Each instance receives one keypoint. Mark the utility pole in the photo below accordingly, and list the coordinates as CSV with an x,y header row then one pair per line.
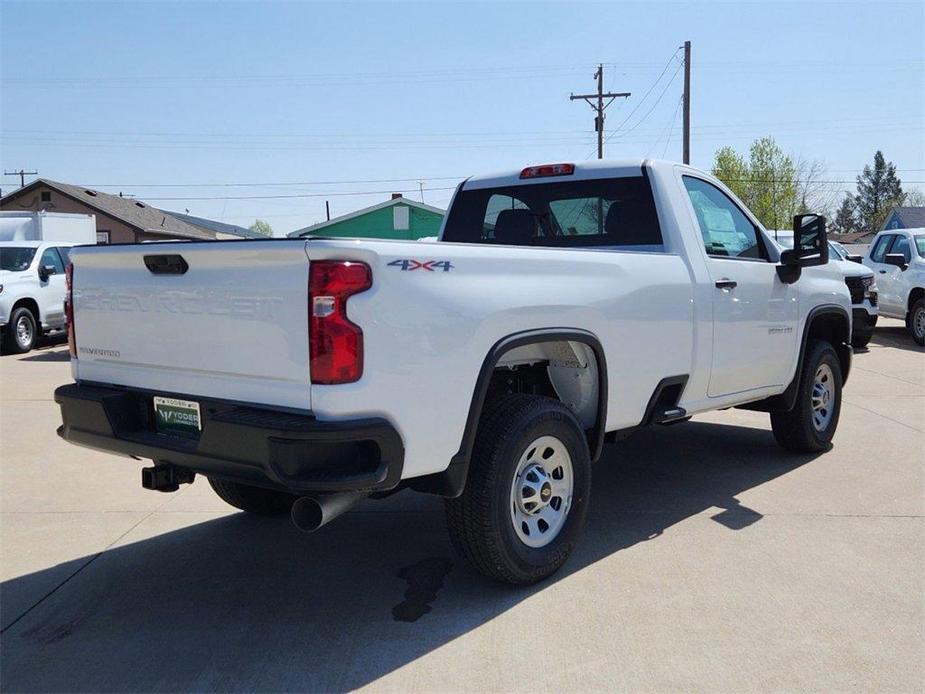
x,y
421,184
22,175
687,102
599,107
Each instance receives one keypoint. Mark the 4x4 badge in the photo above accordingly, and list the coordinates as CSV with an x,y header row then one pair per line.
x,y
409,264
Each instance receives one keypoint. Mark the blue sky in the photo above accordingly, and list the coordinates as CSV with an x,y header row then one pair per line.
x,y
229,100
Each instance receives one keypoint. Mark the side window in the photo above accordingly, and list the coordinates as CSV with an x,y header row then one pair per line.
x,y
880,249
51,257
902,245
726,231
65,252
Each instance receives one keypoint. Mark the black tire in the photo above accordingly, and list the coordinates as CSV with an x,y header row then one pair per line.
x,y
265,502
916,322
860,341
12,340
480,520
795,430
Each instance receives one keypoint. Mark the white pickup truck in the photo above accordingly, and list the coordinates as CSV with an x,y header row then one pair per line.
x,y
898,258
564,305
31,291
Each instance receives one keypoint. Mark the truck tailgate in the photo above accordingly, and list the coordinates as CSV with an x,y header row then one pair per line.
x,y
233,325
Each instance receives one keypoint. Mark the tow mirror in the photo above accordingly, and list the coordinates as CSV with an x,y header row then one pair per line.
x,y
810,247
854,258
810,243
46,271
897,259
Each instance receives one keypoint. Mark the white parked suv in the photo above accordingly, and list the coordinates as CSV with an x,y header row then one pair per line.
x,y
563,305
861,284
32,289
898,258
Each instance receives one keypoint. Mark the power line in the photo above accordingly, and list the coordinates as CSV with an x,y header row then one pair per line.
x,y
274,184
299,195
646,95
649,112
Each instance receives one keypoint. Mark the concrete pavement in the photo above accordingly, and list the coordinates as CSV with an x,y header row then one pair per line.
x,y
712,560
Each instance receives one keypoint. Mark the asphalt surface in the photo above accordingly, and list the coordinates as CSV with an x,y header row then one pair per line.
x,y
712,560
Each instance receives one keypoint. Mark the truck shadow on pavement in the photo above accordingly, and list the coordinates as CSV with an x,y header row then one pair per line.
x,y
898,338
245,603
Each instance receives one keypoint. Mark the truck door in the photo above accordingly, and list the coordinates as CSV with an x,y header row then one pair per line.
x,y
52,288
754,313
894,298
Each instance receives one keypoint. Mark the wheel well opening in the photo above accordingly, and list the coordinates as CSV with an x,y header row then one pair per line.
x,y
564,370
30,304
835,329
915,295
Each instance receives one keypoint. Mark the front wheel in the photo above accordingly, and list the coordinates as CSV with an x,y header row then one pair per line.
x,y
917,321
810,425
860,341
526,494
21,332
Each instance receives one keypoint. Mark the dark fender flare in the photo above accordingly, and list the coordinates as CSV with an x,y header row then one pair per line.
x,y
786,400
452,481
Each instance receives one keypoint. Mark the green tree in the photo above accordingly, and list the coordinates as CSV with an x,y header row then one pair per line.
x,y
879,189
766,182
261,227
732,169
845,220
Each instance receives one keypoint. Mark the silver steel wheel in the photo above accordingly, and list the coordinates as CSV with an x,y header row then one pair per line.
x,y
918,323
823,397
541,493
23,331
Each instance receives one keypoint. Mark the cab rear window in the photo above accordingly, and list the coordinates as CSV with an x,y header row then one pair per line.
x,y
614,213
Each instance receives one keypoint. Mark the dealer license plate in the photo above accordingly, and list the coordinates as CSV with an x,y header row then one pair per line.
x,y
173,416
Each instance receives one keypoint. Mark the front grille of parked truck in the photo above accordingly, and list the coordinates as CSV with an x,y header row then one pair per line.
x,y
862,288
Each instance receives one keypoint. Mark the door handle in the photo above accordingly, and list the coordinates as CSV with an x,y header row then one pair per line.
x,y
726,284
882,272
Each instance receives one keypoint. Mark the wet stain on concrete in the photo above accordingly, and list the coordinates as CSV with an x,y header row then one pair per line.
x,y
424,579
46,635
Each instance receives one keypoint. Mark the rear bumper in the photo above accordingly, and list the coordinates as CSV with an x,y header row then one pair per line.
x,y
238,442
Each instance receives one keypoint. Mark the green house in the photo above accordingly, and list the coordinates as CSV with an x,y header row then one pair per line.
x,y
398,218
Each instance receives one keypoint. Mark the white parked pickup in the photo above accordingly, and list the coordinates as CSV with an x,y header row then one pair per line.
x,y
563,305
898,258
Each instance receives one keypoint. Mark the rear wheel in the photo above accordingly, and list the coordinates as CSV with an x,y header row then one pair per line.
x,y
917,321
21,332
265,502
526,495
810,425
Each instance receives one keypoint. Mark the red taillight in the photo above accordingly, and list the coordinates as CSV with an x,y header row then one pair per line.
x,y
548,170
335,345
69,309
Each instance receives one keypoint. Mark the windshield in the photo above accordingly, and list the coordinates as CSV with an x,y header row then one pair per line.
x,y
920,244
837,250
16,259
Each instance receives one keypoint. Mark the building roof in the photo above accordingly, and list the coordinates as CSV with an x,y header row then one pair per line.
x,y
853,237
909,217
317,228
131,211
220,227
